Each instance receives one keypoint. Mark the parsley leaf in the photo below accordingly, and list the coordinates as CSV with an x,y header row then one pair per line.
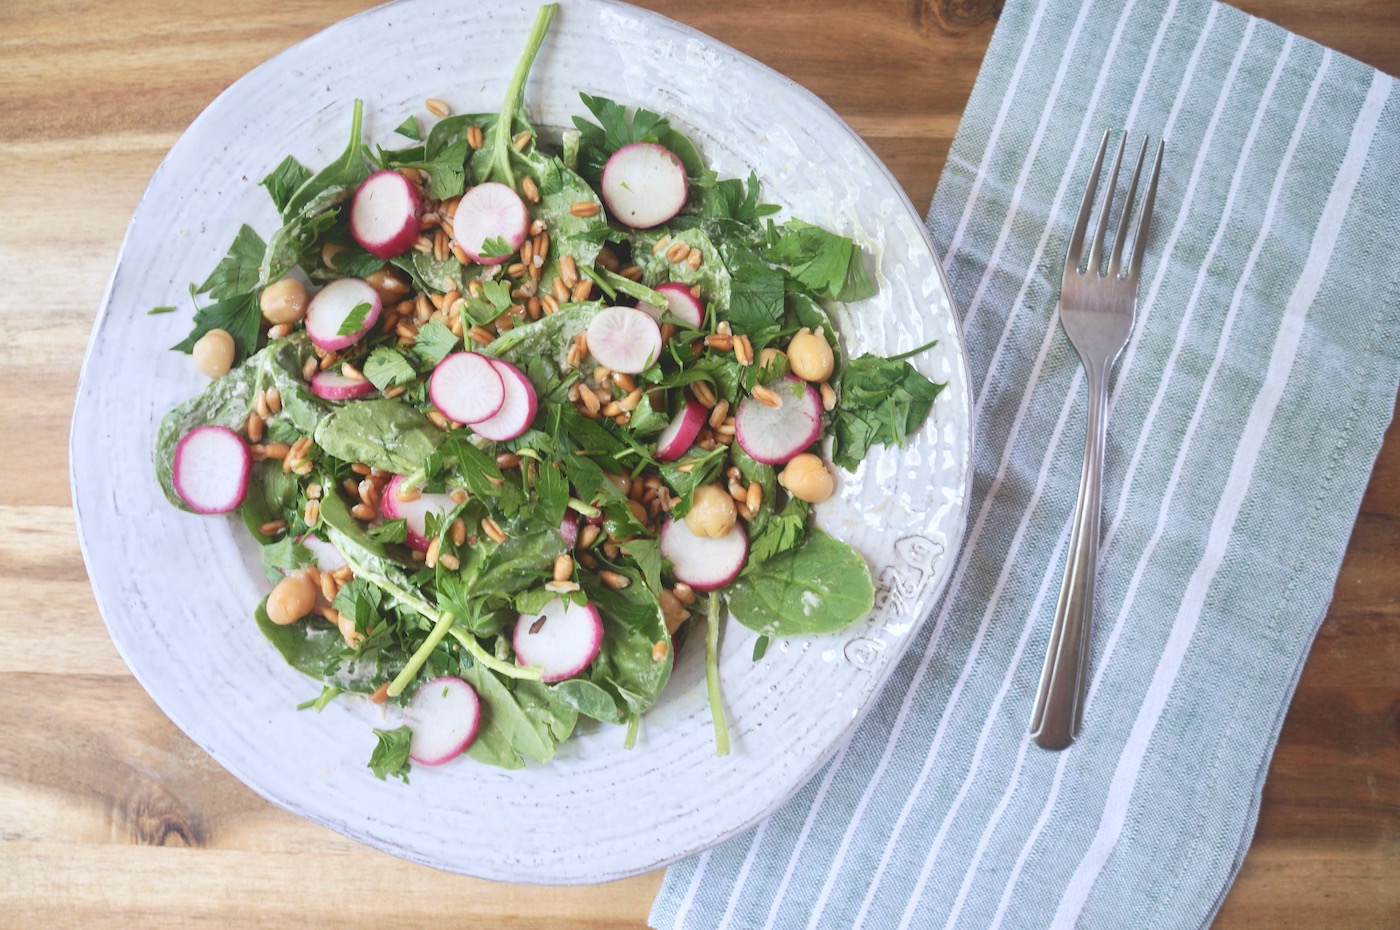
x,y
783,532
390,531
496,247
827,264
284,180
732,199
434,343
237,272
612,131
390,756
238,316
755,299
285,555
882,401
409,128
385,367
360,601
354,320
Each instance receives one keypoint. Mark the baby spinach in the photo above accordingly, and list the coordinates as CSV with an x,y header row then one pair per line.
x,y
347,171
383,433
520,720
822,587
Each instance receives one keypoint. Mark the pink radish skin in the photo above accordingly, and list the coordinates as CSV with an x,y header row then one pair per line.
x,y
568,528
414,513
644,185
518,410
211,469
773,435
330,307
328,557
624,339
680,435
384,214
444,715
703,563
680,303
332,385
489,211
564,644
467,388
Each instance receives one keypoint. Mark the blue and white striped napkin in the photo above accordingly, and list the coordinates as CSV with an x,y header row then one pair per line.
x,y
1246,414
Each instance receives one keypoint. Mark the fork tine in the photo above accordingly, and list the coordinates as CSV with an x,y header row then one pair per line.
x,y
1101,227
1115,261
1076,242
1140,240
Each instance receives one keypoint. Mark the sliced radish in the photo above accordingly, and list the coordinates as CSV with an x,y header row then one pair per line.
x,y
328,557
467,388
568,528
444,716
518,410
561,639
490,211
704,563
680,435
332,306
644,185
211,469
681,304
384,214
414,513
332,385
773,435
624,339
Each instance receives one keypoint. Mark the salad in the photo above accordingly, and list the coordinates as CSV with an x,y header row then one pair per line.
x,y
513,422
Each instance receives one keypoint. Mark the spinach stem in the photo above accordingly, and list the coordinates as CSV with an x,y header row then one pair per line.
x,y
712,677
515,98
633,724
912,352
587,510
479,653
420,655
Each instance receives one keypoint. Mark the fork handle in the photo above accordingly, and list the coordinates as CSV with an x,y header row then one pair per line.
x,y
1058,709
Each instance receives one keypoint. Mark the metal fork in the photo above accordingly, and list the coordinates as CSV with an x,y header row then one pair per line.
x,y
1097,310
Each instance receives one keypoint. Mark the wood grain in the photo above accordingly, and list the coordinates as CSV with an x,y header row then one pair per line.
x,y
110,817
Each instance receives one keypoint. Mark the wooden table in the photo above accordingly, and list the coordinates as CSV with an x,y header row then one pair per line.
x,y
110,817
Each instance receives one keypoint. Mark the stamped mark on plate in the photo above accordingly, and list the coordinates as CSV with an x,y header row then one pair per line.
x,y
901,585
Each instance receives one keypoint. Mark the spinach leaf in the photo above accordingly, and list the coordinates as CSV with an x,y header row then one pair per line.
x,y
429,274
237,272
309,646
589,699
347,171
579,236
498,149
272,493
827,264
382,433
409,129
712,275
284,180
882,401
519,720
823,587
390,756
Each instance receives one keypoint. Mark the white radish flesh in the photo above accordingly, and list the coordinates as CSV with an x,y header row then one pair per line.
x,y
332,385
332,306
624,339
328,557
773,435
562,638
384,214
680,303
644,185
414,513
444,715
680,435
704,563
490,211
211,469
467,388
518,410
568,528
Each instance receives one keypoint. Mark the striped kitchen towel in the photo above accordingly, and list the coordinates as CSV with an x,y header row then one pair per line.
x,y
1247,411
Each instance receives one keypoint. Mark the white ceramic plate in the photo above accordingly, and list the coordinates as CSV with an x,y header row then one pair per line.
x,y
178,590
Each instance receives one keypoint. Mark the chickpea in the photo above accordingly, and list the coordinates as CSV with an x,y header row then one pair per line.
x,y
809,356
711,512
283,301
352,637
390,286
765,358
328,253
673,610
807,478
621,482
213,353
293,598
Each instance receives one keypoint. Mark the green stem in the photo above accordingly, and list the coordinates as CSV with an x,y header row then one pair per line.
x,y
631,288
479,653
912,352
420,655
712,677
633,723
587,510
515,97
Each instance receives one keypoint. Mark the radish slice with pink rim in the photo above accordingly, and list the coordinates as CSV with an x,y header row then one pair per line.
x,y
518,410
680,303
490,211
467,388
562,638
773,435
327,557
704,563
384,214
414,513
444,715
332,385
211,469
644,185
680,434
624,339
333,305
